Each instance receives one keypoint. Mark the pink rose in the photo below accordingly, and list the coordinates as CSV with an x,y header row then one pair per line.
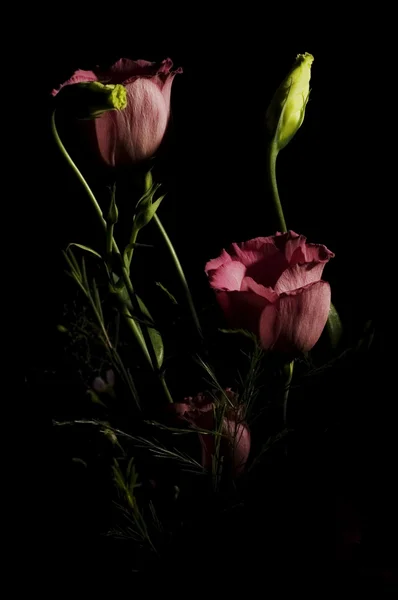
x,y
272,287
135,133
235,441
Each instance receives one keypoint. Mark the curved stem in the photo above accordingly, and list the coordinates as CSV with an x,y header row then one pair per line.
x,y
181,275
131,323
111,243
272,155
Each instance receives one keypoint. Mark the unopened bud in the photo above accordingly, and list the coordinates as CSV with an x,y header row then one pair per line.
x,y
286,112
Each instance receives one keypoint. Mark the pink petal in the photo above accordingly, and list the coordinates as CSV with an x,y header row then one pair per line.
x,y
228,277
264,261
290,243
249,285
302,317
110,377
135,133
78,76
239,436
215,263
127,71
242,310
252,251
269,326
299,276
99,385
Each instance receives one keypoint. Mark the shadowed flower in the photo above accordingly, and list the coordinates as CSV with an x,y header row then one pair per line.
x,y
135,133
106,386
200,412
272,287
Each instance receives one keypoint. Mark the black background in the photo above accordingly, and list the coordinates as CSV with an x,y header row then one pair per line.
x,y
333,188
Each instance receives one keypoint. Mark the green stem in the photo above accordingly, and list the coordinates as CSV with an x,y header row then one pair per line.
x,y
109,241
272,155
133,240
180,273
131,323
289,372
166,389
76,170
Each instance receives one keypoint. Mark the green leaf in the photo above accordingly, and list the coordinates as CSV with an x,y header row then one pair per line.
x,y
154,335
86,248
73,265
95,398
244,332
97,299
334,327
166,291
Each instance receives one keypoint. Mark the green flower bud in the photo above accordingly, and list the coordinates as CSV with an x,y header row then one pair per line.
x,y
113,213
90,100
286,112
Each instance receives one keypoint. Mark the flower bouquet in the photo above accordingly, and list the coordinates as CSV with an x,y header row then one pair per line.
x,y
191,417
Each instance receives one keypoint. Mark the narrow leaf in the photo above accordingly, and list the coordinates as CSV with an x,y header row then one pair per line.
x,y
86,248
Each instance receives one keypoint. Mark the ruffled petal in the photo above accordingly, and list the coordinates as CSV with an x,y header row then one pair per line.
x,y
299,276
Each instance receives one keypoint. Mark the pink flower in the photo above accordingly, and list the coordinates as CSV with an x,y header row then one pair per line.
x,y
135,133
272,287
235,441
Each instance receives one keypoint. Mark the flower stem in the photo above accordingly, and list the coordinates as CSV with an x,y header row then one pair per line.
x,y
76,170
129,320
272,155
289,372
165,388
181,274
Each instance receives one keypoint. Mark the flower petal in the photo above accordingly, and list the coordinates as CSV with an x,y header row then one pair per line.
x,y
228,277
249,285
263,259
269,326
110,377
99,385
240,441
215,263
299,276
242,310
135,133
78,76
252,251
302,315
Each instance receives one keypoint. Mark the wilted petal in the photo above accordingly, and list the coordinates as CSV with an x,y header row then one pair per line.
x,y
302,316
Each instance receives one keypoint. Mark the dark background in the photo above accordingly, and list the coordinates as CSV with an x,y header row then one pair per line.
x,y
331,179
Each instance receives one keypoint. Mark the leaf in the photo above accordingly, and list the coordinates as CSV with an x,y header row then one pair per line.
x,y
73,265
334,327
95,398
86,248
244,332
154,335
166,291
97,299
